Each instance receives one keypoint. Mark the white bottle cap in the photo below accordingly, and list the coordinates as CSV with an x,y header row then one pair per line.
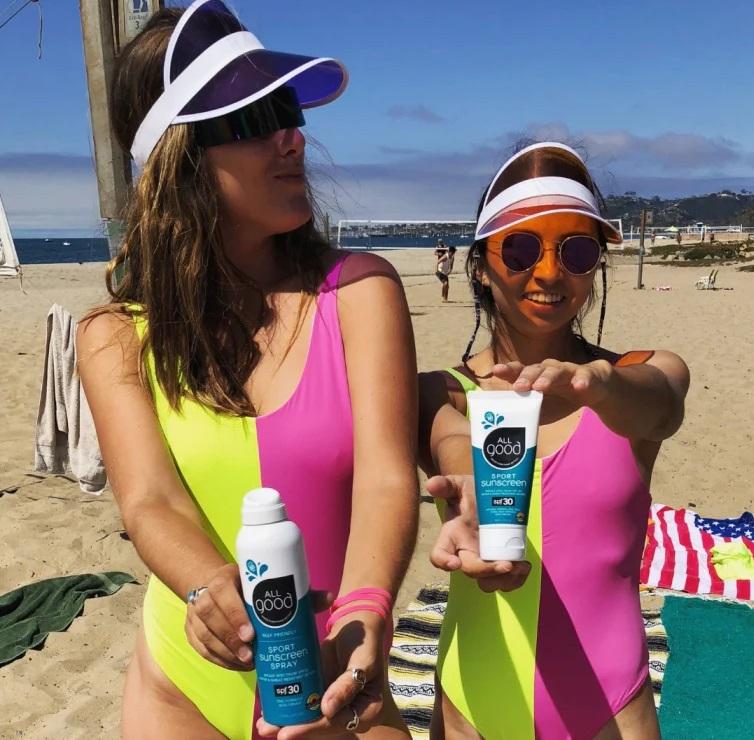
x,y
262,506
502,543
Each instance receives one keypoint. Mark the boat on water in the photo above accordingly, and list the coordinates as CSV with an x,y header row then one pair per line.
x,y
66,244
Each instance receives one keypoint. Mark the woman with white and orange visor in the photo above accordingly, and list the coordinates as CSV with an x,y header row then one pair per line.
x,y
551,648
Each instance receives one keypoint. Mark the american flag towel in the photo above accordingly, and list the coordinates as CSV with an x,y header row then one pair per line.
x,y
677,552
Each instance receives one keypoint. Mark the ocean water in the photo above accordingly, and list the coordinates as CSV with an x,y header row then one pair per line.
x,y
53,250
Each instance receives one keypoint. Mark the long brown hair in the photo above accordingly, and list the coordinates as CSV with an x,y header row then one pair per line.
x,y
172,264
537,163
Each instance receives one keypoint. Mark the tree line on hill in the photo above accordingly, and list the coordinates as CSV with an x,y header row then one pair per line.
x,y
721,209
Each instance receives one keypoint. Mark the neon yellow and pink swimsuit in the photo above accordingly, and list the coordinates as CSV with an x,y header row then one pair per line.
x,y
561,656
305,450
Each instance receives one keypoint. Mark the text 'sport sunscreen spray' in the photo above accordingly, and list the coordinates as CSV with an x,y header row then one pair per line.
x,y
275,578
504,428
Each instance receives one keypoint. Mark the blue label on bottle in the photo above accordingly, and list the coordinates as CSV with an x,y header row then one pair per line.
x,y
286,653
503,471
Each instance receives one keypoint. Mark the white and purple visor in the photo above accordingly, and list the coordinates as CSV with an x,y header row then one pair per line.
x,y
538,196
214,65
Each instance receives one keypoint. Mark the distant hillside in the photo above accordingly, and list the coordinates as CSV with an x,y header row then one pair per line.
x,y
717,209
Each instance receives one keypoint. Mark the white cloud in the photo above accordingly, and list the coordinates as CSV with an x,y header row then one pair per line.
x,y
669,153
448,184
56,192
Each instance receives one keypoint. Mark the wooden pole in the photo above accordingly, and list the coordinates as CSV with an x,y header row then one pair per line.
x,y
639,284
107,25
112,164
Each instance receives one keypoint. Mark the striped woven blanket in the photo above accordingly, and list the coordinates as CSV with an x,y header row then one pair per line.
x,y
414,655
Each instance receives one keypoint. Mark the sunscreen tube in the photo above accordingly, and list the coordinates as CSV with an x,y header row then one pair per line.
x,y
504,428
275,582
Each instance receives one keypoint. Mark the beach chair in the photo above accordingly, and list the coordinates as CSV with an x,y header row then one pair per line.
x,y
707,282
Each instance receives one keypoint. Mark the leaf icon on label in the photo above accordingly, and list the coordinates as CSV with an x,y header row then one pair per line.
x,y
251,570
489,417
262,569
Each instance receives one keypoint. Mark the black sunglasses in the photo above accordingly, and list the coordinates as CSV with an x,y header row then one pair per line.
x,y
278,110
578,254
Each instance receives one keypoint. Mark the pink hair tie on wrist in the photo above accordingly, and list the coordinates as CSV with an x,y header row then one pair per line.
x,y
378,595
345,611
376,600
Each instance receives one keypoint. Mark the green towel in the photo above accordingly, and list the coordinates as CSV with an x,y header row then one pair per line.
x,y
28,614
707,691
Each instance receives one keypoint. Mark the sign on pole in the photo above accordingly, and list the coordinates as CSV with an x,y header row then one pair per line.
x,y
134,15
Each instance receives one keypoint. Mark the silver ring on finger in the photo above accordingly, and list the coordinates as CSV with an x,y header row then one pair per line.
x,y
353,723
359,677
194,594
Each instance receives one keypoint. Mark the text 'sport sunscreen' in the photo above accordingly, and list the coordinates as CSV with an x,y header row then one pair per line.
x,y
275,581
504,428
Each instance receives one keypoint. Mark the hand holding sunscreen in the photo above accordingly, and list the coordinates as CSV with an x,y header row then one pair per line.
x,y
504,427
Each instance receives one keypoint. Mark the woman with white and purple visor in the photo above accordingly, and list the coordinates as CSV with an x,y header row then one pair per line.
x,y
240,351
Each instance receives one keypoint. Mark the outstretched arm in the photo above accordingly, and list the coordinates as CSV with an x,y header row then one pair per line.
x,y
158,514
444,434
643,402
381,364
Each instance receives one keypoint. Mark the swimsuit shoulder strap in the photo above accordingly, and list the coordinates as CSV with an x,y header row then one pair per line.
x,y
466,384
326,358
332,278
635,357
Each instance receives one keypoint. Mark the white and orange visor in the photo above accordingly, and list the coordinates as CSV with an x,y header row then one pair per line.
x,y
538,196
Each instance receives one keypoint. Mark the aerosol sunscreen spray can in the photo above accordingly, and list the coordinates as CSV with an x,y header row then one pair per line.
x,y
275,578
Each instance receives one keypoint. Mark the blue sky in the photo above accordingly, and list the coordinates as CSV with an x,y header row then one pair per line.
x,y
660,94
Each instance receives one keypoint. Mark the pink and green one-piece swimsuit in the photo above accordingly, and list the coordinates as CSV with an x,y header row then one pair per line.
x,y
304,449
559,657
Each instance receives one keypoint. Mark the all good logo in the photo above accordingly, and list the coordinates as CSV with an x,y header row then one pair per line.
x,y
505,448
275,601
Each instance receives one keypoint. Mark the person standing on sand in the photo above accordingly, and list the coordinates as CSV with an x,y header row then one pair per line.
x,y
554,647
445,260
238,351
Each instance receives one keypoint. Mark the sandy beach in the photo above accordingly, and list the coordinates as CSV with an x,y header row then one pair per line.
x,y
71,688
